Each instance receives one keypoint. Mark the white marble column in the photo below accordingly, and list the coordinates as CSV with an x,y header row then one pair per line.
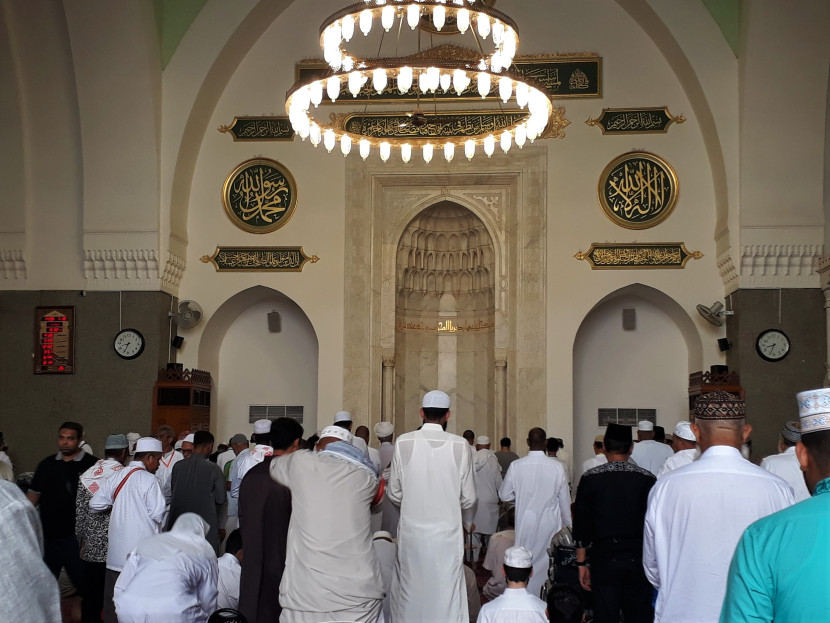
x,y
388,388
500,397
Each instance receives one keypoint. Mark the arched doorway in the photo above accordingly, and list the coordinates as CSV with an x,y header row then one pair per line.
x,y
644,367
252,365
445,316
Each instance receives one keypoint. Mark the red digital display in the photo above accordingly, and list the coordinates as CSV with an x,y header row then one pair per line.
x,y
54,337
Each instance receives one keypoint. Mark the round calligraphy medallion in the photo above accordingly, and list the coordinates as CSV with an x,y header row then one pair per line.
x,y
638,190
260,195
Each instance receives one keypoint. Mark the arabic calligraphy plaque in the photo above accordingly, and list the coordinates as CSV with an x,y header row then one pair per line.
x,y
259,259
604,256
638,190
260,195
259,129
561,76
635,120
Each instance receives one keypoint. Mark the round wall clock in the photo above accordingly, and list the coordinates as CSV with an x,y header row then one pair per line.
x,y
260,195
638,190
772,345
128,343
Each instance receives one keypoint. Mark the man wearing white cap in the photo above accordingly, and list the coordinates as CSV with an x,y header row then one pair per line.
x,y
384,432
330,570
431,479
785,464
684,444
697,513
648,453
542,494
343,419
252,456
390,514
488,480
187,446
779,571
138,508
516,604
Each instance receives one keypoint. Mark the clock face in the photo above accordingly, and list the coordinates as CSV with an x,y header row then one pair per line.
x,y
129,343
772,345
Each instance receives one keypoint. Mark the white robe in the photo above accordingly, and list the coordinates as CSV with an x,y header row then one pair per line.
x,y
228,584
137,512
786,466
516,605
651,455
695,516
488,480
679,459
165,472
594,461
431,479
386,552
543,507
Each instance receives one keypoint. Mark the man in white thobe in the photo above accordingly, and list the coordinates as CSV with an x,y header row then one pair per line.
x,y
684,444
386,552
543,503
785,463
384,432
595,461
230,572
697,513
249,457
648,453
431,479
517,604
488,480
167,436
138,511
331,573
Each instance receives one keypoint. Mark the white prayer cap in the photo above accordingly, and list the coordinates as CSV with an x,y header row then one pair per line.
x,y
189,438
483,440
132,438
518,557
337,431
148,444
382,534
645,426
178,444
684,431
262,427
436,399
384,429
814,410
342,416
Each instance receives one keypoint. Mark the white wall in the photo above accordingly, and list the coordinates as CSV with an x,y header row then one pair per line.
x,y
645,368
259,367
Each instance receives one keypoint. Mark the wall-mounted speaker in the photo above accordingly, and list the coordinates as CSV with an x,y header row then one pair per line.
x,y
629,319
177,342
274,322
724,344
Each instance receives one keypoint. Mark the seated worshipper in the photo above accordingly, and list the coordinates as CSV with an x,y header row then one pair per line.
x,y
331,573
229,571
92,529
29,593
473,596
386,552
684,444
170,577
779,571
264,513
565,604
499,543
516,605
785,464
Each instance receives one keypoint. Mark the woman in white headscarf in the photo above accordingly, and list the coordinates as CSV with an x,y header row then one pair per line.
x,y
169,577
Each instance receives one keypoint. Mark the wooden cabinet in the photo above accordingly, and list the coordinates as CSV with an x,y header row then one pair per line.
x,y
181,399
703,382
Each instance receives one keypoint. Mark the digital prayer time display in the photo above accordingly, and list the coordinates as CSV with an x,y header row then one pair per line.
x,y
54,340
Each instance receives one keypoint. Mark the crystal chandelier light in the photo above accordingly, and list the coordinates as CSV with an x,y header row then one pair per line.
x,y
420,75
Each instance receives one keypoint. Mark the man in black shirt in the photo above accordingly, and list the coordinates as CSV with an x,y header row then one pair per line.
x,y
53,491
609,514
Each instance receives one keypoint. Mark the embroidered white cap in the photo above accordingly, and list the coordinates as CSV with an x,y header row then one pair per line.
x,y
338,432
645,426
148,444
684,431
814,410
518,557
262,427
436,399
384,429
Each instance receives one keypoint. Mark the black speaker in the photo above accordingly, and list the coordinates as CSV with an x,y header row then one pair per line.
x,y
724,344
177,342
274,322
629,319
719,369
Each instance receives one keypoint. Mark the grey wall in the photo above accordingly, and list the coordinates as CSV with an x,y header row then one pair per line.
x,y
106,394
771,387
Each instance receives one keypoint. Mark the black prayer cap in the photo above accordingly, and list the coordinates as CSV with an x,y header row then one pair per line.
x,y
619,433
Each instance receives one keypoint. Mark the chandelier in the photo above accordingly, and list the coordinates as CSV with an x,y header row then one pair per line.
x,y
441,71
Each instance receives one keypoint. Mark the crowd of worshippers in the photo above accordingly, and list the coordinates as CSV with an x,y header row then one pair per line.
x,y
278,528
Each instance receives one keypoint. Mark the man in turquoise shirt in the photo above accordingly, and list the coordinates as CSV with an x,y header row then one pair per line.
x,y
780,569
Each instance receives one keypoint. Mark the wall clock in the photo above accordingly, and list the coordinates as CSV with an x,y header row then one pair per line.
x,y
128,343
772,345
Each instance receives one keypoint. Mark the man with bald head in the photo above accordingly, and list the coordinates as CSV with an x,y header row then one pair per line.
x,y
539,487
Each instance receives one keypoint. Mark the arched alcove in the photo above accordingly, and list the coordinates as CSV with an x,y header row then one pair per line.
x,y
646,367
253,366
445,316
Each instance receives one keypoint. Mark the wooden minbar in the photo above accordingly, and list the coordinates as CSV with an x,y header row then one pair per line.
x,y
181,399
